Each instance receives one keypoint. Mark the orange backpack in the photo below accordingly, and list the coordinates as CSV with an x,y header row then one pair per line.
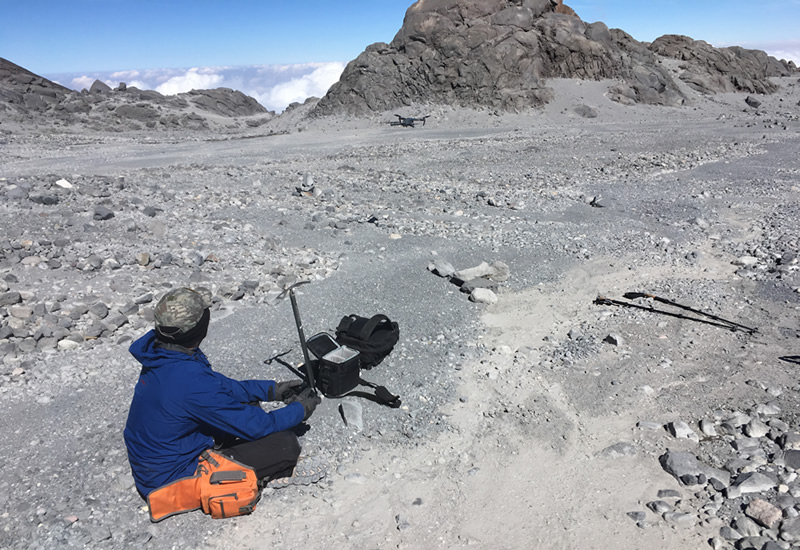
x,y
221,486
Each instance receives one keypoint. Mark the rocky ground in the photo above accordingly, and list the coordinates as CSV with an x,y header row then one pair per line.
x,y
532,416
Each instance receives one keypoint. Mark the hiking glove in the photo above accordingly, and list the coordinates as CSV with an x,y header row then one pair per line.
x,y
308,399
283,390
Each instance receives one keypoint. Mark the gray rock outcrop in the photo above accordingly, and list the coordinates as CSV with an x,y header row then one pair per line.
x,y
709,70
20,89
224,102
498,54
99,87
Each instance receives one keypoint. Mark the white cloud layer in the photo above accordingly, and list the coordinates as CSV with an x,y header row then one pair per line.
x,y
81,82
790,54
298,89
274,86
194,79
124,75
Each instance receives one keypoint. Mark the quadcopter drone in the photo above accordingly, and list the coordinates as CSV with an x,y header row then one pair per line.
x,y
408,122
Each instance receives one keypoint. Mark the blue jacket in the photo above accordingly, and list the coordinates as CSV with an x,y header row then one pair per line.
x,y
180,404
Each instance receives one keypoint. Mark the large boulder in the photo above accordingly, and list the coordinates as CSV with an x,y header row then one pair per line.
x,y
99,87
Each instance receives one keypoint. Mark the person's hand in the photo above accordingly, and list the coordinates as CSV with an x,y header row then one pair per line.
x,y
308,399
283,390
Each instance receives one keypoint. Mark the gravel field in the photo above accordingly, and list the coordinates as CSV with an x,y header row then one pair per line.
x,y
537,421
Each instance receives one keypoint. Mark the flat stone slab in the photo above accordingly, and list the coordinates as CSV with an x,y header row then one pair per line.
x,y
751,482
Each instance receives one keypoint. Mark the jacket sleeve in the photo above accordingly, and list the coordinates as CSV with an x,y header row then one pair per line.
x,y
245,390
220,402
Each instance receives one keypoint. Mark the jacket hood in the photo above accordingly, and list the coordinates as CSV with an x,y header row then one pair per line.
x,y
151,356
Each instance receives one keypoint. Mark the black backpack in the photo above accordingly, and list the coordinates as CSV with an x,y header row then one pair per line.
x,y
374,338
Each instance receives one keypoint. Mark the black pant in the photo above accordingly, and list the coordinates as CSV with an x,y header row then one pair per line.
x,y
272,457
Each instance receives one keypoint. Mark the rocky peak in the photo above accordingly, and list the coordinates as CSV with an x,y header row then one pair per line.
x,y
493,53
498,54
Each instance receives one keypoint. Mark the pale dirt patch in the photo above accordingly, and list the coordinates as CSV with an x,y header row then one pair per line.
x,y
518,466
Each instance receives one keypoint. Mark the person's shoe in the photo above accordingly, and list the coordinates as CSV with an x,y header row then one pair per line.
x,y
309,470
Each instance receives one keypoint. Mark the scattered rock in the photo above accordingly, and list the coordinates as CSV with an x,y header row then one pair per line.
x,y
10,298
660,506
585,111
479,271
483,296
756,428
752,102
764,513
618,450
101,213
613,339
681,430
352,414
637,516
687,468
750,482
441,268
681,519
791,459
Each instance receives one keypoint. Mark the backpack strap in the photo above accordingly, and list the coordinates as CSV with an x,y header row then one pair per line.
x,y
368,328
382,396
372,324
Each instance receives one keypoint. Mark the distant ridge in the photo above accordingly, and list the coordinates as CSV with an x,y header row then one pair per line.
x,y
27,98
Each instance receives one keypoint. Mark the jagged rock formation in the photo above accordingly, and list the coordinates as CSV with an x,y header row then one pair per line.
x,y
498,54
224,102
708,69
25,96
25,90
563,8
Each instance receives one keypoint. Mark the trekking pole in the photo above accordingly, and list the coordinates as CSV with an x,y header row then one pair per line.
x,y
634,295
309,370
603,301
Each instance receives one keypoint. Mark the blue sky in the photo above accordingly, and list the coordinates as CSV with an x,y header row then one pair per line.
x,y
285,50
